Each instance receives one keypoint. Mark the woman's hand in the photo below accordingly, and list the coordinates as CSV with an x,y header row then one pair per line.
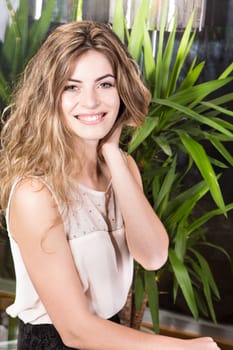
x,y
204,343
110,141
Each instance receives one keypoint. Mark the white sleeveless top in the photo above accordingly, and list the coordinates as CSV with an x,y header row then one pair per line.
x,y
95,231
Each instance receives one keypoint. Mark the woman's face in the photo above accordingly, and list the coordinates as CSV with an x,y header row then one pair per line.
x,y
90,101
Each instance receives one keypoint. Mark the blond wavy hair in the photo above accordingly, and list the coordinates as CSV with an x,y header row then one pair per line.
x,y
35,140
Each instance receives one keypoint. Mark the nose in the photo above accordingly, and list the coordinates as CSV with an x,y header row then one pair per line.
x,y
89,98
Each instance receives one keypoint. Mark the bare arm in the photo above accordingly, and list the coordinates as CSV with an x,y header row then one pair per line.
x,y
36,226
146,236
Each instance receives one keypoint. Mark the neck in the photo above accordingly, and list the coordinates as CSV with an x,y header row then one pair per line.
x,y
94,172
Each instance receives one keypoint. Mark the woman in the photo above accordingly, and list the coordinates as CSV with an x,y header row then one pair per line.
x,y
75,209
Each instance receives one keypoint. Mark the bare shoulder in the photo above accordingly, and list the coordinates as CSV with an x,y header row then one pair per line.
x,y
32,206
31,194
29,185
134,168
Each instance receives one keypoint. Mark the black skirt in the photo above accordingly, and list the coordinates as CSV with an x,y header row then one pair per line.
x,y
43,336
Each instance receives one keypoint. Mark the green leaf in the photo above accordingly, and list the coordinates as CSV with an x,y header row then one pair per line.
x,y
187,199
221,250
137,32
11,47
77,10
163,143
201,304
181,241
217,108
118,25
188,112
207,109
40,28
221,149
153,298
166,185
199,276
184,282
149,62
142,133
222,99
159,55
22,21
4,88
207,281
183,50
196,224
226,72
201,159
192,75
181,213
208,275
167,62
226,125
139,287
196,94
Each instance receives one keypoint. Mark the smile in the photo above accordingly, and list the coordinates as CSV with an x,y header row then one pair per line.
x,y
90,118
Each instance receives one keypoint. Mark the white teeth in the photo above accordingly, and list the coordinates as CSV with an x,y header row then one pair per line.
x,y
90,118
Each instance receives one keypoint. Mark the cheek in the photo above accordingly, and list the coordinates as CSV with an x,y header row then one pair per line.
x,y
65,104
64,114
116,102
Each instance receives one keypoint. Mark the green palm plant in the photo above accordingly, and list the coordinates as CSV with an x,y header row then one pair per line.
x,y
22,39
20,42
182,116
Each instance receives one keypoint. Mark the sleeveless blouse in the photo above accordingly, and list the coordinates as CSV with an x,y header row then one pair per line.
x,y
95,232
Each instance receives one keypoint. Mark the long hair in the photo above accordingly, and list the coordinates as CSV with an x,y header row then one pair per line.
x,y
35,140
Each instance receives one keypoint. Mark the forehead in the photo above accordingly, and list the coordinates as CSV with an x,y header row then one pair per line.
x,y
91,63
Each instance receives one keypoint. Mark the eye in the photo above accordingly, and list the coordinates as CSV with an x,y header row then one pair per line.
x,y
71,88
106,85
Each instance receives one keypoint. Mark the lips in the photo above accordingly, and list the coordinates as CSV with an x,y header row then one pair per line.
x,y
90,118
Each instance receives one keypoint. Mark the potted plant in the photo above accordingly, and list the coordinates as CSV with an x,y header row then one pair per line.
x,y
183,115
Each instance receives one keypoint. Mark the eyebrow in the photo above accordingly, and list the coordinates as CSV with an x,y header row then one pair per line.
x,y
96,80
